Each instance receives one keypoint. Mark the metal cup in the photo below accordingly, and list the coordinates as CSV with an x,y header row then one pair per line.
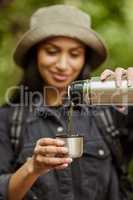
x,y
74,143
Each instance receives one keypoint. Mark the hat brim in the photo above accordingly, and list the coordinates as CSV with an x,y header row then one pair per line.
x,y
37,34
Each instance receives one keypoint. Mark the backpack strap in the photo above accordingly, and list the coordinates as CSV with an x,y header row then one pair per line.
x,y
16,127
110,135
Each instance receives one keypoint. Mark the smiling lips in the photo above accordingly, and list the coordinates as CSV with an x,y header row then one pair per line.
x,y
60,77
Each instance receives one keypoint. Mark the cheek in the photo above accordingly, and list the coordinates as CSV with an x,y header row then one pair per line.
x,y
77,68
78,65
45,61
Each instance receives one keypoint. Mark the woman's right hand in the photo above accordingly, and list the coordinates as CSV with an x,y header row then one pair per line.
x,y
49,154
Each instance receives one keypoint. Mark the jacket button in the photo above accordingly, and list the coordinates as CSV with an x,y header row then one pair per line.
x,y
60,129
101,152
34,197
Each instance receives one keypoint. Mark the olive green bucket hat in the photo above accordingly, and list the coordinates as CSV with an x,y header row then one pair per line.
x,y
60,20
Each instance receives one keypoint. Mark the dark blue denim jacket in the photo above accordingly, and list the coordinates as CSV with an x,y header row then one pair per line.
x,y
91,177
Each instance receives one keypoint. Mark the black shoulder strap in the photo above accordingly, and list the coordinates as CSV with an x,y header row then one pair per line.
x,y
110,135
16,126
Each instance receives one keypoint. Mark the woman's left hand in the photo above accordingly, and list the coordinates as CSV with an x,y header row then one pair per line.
x,y
118,75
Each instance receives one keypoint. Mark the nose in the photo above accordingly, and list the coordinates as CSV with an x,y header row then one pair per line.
x,y
62,63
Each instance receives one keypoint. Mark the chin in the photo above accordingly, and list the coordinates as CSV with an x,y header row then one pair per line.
x,y
61,84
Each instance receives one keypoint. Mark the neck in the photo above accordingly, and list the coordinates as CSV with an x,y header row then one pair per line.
x,y
54,96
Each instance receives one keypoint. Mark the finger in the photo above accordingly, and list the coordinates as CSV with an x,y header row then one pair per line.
x,y
50,141
43,150
130,76
106,74
53,161
63,166
119,72
121,108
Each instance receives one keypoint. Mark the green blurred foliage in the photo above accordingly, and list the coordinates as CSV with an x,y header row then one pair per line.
x,y
111,19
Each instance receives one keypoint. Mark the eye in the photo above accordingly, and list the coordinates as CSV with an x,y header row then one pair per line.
x,y
75,54
51,51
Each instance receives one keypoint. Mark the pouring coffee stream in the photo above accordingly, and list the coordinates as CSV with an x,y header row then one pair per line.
x,y
70,131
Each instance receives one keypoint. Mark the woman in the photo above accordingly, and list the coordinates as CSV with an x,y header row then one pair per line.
x,y
60,47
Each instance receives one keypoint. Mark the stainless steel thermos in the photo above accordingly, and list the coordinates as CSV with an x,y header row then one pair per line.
x,y
96,92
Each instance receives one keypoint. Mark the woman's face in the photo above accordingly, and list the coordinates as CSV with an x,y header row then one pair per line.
x,y
60,61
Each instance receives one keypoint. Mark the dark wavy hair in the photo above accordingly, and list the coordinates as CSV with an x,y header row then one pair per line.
x,y
32,79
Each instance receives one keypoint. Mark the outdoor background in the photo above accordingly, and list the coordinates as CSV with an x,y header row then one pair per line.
x,y
112,19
